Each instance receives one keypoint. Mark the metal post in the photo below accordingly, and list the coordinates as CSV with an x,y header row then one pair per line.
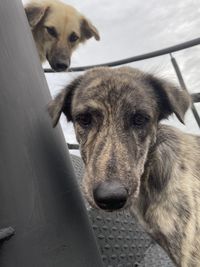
x,y
183,86
195,97
39,195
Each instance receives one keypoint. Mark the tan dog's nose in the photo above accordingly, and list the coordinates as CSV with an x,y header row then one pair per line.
x,y
110,195
61,65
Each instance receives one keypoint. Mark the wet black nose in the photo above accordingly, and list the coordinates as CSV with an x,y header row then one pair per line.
x,y
110,195
60,66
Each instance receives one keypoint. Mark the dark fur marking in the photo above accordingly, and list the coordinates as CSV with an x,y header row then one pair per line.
x,y
111,168
183,167
67,109
162,98
169,99
194,257
175,242
96,155
183,208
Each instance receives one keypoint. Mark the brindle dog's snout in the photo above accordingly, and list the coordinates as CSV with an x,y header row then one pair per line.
x,y
110,195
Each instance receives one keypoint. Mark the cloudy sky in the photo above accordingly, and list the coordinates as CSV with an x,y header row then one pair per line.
x,y
133,27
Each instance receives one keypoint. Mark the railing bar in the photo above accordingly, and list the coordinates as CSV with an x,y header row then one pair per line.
x,y
195,97
153,54
73,146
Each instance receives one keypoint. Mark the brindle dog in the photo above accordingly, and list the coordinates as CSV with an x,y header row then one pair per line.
x,y
133,161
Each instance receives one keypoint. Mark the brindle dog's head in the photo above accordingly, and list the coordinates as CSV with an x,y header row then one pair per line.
x,y
58,29
116,113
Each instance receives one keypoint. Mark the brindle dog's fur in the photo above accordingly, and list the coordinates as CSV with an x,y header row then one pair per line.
x,y
158,164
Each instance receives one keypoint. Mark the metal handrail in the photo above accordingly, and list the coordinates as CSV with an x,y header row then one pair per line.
x,y
195,97
153,54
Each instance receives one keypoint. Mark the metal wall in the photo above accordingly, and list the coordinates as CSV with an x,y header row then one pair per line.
x,y
39,196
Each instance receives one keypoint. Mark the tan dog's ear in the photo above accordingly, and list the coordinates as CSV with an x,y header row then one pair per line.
x,y
88,30
35,12
62,102
170,99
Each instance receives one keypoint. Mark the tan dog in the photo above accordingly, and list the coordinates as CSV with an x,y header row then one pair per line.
x,y
131,160
58,29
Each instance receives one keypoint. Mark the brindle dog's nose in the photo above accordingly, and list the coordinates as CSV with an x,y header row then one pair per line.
x,y
111,195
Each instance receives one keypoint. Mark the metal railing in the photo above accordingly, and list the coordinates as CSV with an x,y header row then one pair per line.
x,y
165,51
153,54
195,97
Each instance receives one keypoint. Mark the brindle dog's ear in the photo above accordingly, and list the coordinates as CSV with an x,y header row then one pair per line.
x,y
62,102
35,12
170,98
88,30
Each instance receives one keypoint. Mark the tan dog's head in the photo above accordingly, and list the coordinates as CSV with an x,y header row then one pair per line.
x,y
58,29
116,113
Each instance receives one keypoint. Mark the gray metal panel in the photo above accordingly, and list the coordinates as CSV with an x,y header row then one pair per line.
x,y
39,195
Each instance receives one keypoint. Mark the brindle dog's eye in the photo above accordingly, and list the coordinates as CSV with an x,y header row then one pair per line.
x,y
84,120
52,31
73,37
139,120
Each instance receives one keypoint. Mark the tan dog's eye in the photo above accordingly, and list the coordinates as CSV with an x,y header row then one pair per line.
x,y
73,37
52,31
